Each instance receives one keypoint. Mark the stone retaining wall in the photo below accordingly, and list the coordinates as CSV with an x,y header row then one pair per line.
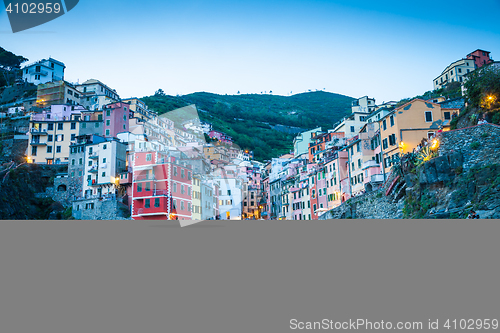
x,y
479,145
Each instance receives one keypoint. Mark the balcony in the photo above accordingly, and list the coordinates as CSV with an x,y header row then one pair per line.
x,y
39,132
37,143
34,71
94,156
140,178
370,164
377,179
93,169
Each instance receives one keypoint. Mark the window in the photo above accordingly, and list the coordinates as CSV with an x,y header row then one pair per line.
x,y
157,202
148,157
60,137
124,127
146,203
80,161
73,136
60,126
49,149
104,147
175,187
84,125
139,187
447,116
50,127
58,149
392,139
108,122
175,171
359,163
107,132
392,120
103,174
460,70
90,163
108,113
352,129
96,125
72,161
384,124
182,205
50,138
182,173
384,144
428,116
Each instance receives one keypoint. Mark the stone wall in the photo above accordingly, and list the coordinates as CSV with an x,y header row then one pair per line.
x,y
479,145
101,210
372,205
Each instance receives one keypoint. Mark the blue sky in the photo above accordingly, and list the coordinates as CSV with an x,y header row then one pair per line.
x,y
385,49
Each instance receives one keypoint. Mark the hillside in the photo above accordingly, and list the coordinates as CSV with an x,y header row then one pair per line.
x,y
250,118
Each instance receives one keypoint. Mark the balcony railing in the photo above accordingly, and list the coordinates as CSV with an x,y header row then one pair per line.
x,y
37,143
93,169
34,71
40,132
144,177
94,156
377,179
370,164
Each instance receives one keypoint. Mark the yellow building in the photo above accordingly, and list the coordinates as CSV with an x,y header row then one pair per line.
x,y
52,132
402,130
196,198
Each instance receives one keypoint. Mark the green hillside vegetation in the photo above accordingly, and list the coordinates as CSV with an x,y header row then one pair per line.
x,y
248,118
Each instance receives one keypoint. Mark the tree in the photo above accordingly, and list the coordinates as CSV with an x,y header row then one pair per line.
x,y
159,92
9,65
483,88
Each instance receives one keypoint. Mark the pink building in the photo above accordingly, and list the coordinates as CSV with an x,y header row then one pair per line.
x,y
480,57
116,118
221,137
59,113
161,187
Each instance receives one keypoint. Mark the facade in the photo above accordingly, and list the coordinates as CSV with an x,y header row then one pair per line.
x,y
220,136
104,161
455,72
363,105
480,58
96,94
162,187
57,92
78,160
403,130
43,71
116,118
301,142
52,131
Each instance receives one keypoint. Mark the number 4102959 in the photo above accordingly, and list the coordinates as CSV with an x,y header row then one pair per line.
x,y
33,8
471,324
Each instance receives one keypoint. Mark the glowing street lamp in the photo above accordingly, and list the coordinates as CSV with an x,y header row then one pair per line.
x,y
435,144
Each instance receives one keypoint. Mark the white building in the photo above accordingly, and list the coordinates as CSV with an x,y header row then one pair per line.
x,y
103,163
301,142
454,73
96,94
363,105
43,71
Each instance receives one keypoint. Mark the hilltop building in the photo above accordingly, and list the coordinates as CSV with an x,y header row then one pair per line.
x,y
43,71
